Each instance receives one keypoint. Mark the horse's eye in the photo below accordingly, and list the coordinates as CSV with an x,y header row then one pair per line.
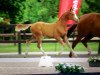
x,y
71,14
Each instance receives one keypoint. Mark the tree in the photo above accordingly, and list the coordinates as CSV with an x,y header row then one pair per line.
x,y
42,10
20,11
89,6
13,9
29,10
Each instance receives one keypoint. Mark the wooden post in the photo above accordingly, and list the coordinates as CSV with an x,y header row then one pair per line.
x,y
19,44
99,48
19,48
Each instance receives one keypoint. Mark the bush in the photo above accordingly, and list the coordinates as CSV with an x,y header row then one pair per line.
x,y
69,68
94,59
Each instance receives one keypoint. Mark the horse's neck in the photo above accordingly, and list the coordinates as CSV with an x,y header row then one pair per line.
x,y
61,25
63,19
62,22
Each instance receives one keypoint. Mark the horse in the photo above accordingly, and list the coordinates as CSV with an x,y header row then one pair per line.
x,y
56,30
87,27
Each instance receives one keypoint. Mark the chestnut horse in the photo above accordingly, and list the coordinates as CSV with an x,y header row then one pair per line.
x,y
87,27
55,30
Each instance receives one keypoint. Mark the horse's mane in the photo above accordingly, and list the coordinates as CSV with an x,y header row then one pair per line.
x,y
63,15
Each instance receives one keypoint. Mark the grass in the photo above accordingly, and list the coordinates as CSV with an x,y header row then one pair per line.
x,y
48,47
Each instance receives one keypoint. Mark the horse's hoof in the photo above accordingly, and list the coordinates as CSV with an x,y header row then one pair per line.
x,y
89,53
45,54
72,54
75,55
25,57
59,53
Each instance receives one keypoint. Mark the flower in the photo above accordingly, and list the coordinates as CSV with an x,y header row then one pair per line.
x,y
69,68
94,59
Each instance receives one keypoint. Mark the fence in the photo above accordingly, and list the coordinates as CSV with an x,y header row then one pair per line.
x,y
17,40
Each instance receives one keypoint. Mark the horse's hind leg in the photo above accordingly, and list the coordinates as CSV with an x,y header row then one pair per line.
x,y
71,29
39,44
27,45
72,54
85,40
77,40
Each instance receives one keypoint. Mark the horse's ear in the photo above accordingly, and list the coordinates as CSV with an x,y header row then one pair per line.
x,y
71,9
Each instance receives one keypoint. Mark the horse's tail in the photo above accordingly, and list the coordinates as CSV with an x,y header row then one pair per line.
x,y
21,27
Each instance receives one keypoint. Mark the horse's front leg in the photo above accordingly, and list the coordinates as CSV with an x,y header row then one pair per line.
x,y
59,39
85,40
72,54
28,41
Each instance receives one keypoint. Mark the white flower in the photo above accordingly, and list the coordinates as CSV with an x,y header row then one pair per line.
x,y
64,66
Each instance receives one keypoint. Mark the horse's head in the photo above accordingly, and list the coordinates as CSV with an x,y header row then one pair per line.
x,y
69,15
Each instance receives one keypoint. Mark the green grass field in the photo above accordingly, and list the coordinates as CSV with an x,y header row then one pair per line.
x,y
48,47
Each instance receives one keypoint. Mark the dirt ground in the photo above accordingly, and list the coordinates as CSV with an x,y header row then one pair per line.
x,y
12,66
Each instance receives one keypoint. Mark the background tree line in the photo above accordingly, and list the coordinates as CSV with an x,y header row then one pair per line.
x,y
25,11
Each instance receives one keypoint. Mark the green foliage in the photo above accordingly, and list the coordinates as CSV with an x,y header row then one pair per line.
x,y
69,68
1,19
89,6
94,5
20,11
4,21
48,47
94,59
12,9
42,10
29,10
